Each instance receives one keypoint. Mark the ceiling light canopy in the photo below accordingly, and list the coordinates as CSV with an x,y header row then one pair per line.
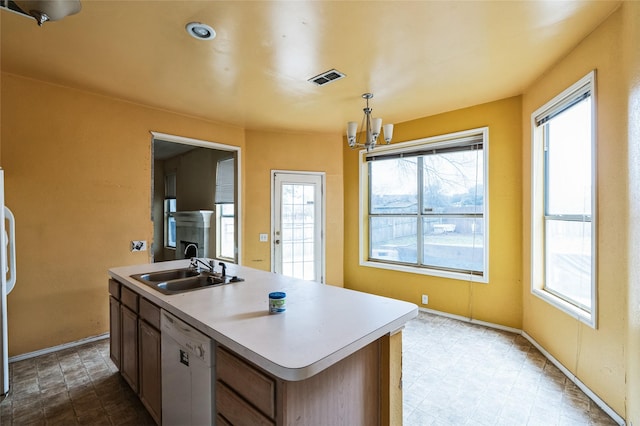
x,y
200,31
370,127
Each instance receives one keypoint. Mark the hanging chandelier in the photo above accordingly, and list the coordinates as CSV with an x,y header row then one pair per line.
x,y
49,10
370,127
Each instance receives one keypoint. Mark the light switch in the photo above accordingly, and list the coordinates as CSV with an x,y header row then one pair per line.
x,y
264,238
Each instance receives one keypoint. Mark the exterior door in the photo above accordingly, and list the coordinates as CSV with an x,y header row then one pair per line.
x,y
297,225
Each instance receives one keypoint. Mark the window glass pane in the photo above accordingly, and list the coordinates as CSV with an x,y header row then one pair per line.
x,y
394,239
227,239
170,222
394,186
171,232
454,243
227,209
452,182
568,260
569,161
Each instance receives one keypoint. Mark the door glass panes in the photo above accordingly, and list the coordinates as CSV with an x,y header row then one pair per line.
x,y
298,231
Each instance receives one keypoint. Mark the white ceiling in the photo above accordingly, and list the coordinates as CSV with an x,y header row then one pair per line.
x,y
417,57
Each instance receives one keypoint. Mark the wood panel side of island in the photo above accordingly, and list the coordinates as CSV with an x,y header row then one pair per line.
x,y
391,379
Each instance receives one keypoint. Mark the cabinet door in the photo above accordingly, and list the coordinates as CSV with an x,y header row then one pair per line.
x,y
150,373
114,331
129,349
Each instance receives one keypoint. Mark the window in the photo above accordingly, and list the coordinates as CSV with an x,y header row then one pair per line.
x,y
563,256
169,210
426,206
225,209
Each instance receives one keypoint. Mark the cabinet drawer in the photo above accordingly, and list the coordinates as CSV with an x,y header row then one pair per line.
x,y
129,299
251,384
236,410
114,289
150,313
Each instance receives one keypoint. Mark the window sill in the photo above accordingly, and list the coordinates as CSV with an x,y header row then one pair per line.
x,y
583,316
425,271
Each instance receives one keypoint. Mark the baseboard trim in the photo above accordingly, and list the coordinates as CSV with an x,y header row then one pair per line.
x,y
58,347
595,398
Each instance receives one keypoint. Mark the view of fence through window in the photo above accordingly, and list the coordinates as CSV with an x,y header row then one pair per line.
x,y
428,210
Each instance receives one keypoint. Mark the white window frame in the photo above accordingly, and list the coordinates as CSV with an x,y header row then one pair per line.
x,y
538,205
435,142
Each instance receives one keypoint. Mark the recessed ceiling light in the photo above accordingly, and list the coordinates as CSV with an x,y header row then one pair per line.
x,y
200,31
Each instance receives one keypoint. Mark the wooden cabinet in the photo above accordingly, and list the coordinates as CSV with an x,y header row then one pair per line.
x,y
149,355
244,395
348,392
135,344
129,337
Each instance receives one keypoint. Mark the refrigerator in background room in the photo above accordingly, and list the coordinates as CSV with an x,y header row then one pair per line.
x,y
7,280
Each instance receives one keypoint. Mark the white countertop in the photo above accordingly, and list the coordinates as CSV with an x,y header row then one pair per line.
x,y
322,323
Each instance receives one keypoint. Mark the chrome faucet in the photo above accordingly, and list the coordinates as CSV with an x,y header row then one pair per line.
x,y
186,249
195,263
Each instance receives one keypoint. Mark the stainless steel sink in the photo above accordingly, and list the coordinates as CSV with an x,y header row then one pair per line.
x,y
180,280
174,274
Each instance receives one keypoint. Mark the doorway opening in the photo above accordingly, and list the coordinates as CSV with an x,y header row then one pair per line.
x,y
195,203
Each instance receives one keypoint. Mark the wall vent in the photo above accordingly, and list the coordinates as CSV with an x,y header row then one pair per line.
x,y
327,77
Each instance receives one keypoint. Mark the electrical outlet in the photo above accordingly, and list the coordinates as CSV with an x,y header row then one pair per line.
x,y
264,238
138,245
425,299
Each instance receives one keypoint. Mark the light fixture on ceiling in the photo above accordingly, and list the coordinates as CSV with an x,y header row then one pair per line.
x,y
370,127
49,10
200,31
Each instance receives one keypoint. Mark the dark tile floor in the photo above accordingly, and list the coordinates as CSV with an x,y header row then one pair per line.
x,y
77,386
454,373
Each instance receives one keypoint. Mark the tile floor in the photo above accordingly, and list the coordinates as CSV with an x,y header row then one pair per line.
x,y
454,373
77,386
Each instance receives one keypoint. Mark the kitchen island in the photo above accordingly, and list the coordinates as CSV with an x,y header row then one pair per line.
x,y
334,356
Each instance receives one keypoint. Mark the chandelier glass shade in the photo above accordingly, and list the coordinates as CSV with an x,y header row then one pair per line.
x,y
370,127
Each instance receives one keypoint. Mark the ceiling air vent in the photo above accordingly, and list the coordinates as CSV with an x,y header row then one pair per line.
x,y
327,77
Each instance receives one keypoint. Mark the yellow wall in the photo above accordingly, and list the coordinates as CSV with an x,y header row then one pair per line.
x,y
78,179
631,35
268,151
596,356
499,301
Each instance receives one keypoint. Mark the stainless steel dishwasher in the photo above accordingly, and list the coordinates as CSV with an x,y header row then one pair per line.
x,y
187,381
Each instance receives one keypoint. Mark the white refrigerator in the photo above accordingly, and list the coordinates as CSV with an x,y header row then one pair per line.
x,y
7,279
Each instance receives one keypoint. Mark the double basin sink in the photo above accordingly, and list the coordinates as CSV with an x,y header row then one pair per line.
x,y
185,279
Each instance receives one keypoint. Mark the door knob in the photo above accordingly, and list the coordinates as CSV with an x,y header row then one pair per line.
x,y
277,241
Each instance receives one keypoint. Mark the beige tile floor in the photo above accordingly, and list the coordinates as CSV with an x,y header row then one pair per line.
x,y
454,373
